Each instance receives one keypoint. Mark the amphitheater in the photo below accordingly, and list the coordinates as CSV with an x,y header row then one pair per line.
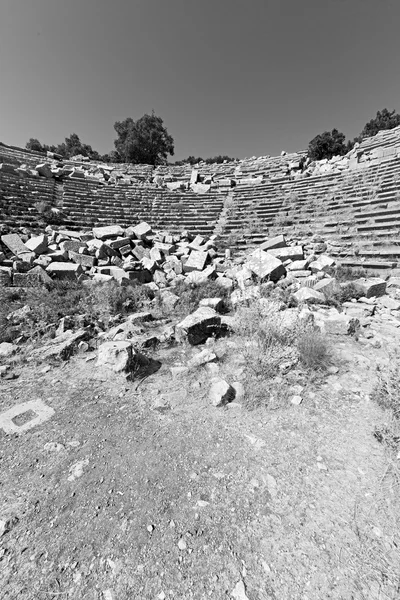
x,y
352,201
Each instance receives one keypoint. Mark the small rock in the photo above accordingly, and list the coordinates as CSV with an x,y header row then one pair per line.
x,y
76,471
53,447
150,528
221,393
182,544
239,591
296,400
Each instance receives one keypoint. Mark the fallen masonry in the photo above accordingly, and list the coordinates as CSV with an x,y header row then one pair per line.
x,y
287,274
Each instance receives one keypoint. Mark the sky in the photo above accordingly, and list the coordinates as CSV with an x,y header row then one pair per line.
x,y
237,77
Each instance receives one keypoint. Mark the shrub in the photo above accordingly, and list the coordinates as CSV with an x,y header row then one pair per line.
x,y
387,389
105,300
349,273
313,348
190,295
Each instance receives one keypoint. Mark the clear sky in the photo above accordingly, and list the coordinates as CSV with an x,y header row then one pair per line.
x,y
236,77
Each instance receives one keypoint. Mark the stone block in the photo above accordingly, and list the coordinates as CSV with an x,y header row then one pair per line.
x,y
265,265
309,295
221,393
63,270
37,244
278,241
110,231
141,231
196,262
74,245
81,259
15,244
288,253
198,326
374,286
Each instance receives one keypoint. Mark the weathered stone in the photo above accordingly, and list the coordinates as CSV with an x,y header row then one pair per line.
x,y
74,245
390,303
141,231
374,286
196,262
62,346
246,295
297,265
265,266
37,244
324,263
15,244
102,233
289,253
61,270
118,356
198,326
81,259
44,170
202,358
278,241
169,299
221,393
309,295
7,349
327,286
215,303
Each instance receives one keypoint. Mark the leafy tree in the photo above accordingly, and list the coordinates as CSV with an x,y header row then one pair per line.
x,y
145,141
74,147
384,119
327,144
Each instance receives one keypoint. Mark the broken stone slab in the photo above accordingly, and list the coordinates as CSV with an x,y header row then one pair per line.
x,y
288,253
323,263
221,393
85,260
373,286
265,265
62,346
109,231
37,244
327,286
196,262
15,244
41,413
64,270
336,323
298,265
74,245
278,241
198,326
309,295
390,303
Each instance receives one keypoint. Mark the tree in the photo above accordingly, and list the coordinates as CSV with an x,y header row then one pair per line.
x,y
384,119
145,141
74,147
327,144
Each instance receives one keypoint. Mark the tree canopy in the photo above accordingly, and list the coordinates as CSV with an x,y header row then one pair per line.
x,y
327,144
384,119
145,141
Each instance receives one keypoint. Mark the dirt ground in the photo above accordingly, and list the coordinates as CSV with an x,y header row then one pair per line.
x,y
143,490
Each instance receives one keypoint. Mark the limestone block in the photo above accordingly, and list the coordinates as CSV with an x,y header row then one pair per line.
x,y
110,231
37,244
278,241
196,262
117,356
81,259
61,270
7,349
374,286
44,170
265,265
15,244
141,231
198,326
288,253
309,296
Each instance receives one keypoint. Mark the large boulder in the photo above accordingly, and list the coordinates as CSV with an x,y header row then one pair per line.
x,y
117,356
265,265
198,326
